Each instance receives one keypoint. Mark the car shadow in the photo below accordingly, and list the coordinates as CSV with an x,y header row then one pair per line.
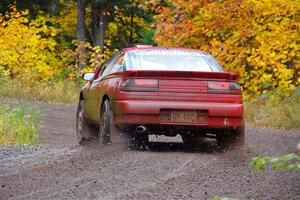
x,y
166,145
202,147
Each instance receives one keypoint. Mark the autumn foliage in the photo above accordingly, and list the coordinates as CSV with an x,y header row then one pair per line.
x,y
37,47
260,39
28,50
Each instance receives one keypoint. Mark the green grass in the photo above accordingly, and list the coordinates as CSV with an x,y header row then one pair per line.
x,y
274,111
18,125
56,92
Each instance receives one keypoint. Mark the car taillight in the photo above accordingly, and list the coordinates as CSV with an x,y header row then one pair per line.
x,y
223,87
140,85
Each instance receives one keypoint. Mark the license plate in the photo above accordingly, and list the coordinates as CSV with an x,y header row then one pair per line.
x,y
183,116
201,119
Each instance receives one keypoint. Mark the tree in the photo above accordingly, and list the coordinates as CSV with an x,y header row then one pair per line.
x,y
257,38
81,33
54,8
101,15
34,6
28,49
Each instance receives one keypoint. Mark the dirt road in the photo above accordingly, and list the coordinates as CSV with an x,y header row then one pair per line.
x,y
61,169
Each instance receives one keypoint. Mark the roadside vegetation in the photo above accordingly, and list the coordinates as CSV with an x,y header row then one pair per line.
x,y
55,92
288,162
18,125
274,110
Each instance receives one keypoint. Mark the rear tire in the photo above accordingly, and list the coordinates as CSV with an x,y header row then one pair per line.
x,y
83,129
233,139
108,132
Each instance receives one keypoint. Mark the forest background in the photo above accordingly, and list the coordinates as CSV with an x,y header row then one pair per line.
x,y
47,45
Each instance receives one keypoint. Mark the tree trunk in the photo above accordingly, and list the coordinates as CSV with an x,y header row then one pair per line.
x,y
81,26
100,19
81,35
54,8
131,26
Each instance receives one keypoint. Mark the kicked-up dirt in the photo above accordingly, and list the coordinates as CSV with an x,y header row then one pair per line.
x,y
62,169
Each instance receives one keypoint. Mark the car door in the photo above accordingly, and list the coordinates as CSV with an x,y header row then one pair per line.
x,y
95,92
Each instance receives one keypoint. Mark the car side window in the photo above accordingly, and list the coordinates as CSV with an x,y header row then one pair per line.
x,y
119,65
105,70
107,66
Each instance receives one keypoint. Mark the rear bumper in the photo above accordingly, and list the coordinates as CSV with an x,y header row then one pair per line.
x,y
141,112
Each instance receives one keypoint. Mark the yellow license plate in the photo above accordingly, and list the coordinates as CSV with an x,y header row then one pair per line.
x,y
183,116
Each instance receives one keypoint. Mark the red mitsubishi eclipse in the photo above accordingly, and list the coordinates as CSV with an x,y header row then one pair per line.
x,y
163,91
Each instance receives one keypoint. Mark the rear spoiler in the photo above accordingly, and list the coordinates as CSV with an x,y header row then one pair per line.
x,y
183,74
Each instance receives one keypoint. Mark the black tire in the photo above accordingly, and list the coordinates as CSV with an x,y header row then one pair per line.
x,y
108,132
83,129
233,139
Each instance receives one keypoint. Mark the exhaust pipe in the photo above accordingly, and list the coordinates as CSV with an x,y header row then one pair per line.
x,y
141,129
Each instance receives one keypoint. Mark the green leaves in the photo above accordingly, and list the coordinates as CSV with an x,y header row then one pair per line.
x,y
289,162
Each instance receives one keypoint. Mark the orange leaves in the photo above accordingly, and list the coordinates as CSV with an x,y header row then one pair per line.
x,y
258,38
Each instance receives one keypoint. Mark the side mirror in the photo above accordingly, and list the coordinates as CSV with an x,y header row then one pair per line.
x,y
88,76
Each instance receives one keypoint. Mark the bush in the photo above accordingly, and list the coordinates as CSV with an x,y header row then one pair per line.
x,y
28,49
260,164
258,39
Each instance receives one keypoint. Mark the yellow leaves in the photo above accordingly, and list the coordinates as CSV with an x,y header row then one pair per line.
x,y
93,54
25,54
4,74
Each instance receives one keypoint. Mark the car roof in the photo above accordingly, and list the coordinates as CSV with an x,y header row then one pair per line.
x,y
149,47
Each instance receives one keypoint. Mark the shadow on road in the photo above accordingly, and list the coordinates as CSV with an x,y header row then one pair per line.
x,y
205,146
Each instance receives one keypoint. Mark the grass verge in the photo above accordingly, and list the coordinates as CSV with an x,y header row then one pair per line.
x,y
274,111
57,92
18,125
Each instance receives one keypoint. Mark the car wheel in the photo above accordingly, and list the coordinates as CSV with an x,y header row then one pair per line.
x,y
83,129
108,132
232,139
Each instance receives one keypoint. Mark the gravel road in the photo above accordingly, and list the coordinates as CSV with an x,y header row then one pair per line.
x,y
61,169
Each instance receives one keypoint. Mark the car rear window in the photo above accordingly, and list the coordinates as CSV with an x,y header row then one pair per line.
x,y
178,60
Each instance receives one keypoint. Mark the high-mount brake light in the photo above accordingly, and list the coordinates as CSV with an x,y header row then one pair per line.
x,y
140,85
223,87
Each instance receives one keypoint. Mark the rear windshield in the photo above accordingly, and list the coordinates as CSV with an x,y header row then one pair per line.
x,y
173,60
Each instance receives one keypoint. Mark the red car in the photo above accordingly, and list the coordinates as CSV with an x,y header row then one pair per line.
x,y
164,91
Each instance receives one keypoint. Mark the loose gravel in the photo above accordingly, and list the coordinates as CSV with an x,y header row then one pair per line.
x,y
61,169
